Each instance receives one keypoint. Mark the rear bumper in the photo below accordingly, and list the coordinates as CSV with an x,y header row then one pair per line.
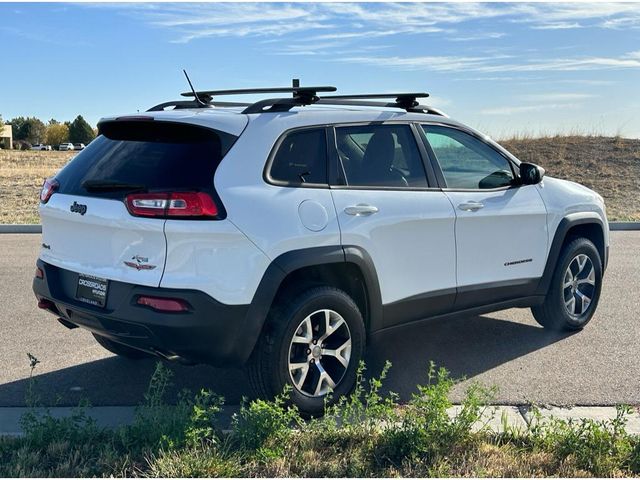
x,y
210,332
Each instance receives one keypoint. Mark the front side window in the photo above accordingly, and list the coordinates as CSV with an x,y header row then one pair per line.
x,y
467,162
380,156
301,158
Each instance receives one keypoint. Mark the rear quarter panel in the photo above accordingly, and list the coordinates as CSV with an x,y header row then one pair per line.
x,y
269,215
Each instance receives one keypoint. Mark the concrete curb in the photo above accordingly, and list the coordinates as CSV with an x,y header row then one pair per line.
x,y
494,418
13,228
617,226
18,228
105,417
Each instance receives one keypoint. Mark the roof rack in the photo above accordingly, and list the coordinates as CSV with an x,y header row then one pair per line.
x,y
300,96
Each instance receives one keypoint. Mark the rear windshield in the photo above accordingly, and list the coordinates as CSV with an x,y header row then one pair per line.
x,y
145,156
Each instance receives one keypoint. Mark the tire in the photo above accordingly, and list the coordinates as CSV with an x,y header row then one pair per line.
x,y
578,276
279,359
120,349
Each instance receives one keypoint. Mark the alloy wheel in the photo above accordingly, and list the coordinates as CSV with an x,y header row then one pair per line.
x,y
579,285
319,353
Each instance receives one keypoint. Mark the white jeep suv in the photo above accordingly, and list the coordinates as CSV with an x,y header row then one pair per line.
x,y
282,234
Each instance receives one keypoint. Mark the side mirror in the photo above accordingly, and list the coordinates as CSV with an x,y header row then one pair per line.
x,y
530,173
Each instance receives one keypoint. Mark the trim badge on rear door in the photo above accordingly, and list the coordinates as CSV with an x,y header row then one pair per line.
x,y
140,263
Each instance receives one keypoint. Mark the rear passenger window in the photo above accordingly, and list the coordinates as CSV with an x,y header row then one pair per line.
x,y
380,156
301,158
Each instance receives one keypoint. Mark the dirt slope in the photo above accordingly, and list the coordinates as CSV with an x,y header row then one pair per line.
x,y
609,165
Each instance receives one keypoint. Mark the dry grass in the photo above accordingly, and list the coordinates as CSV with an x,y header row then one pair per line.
x,y
609,165
21,177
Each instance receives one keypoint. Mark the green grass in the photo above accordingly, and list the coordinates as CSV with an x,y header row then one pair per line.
x,y
367,434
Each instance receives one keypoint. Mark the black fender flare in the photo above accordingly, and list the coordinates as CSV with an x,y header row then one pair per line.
x,y
568,222
291,261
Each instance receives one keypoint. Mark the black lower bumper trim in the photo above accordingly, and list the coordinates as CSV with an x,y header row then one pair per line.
x,y
210,332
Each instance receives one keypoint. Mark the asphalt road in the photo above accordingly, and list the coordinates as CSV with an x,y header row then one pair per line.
x,y
598,366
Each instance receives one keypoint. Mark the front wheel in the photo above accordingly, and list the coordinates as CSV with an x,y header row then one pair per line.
x,y
313,343
575,288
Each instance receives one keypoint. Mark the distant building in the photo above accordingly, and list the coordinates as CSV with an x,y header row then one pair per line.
x,y
6,137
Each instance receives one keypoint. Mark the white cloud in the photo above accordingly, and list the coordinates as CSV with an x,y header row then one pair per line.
x,y
480,36
510,110
434,63
275,30
557,26
498,63
353,21
557,97
229,14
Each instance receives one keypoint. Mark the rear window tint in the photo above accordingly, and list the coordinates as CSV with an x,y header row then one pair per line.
x,y
156,155
380,156
301,158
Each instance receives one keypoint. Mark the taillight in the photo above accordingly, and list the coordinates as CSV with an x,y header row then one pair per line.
x,y
49,187
175,204
39,273
164,304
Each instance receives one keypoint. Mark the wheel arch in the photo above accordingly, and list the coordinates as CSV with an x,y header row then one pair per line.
x,y
349,268
584,224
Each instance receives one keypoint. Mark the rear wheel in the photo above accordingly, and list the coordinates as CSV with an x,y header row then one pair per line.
x,y
314,343
121,350
575,288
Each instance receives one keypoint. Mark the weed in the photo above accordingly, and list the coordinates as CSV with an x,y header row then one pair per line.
x,y
200,428
31,398
365,434
600,447
265,427
426,431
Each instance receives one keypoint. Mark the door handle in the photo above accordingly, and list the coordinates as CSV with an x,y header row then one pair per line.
x,y
471,206
361,210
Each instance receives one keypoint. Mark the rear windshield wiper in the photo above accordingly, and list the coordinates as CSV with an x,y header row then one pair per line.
x,y
107,186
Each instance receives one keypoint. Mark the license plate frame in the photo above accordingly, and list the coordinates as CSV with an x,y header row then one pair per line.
x,y
92,290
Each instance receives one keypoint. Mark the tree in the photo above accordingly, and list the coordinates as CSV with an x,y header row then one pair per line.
x,y
80,131
57,133
1,126
17,124
30,129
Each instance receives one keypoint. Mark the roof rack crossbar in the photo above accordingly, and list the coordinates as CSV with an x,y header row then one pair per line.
x,y
286,104
249,91
347,101
404,100
306,95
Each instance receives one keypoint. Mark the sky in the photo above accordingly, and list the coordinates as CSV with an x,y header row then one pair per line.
x,y
504,68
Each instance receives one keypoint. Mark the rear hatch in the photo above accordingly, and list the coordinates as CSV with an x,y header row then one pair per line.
x,y
107,214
